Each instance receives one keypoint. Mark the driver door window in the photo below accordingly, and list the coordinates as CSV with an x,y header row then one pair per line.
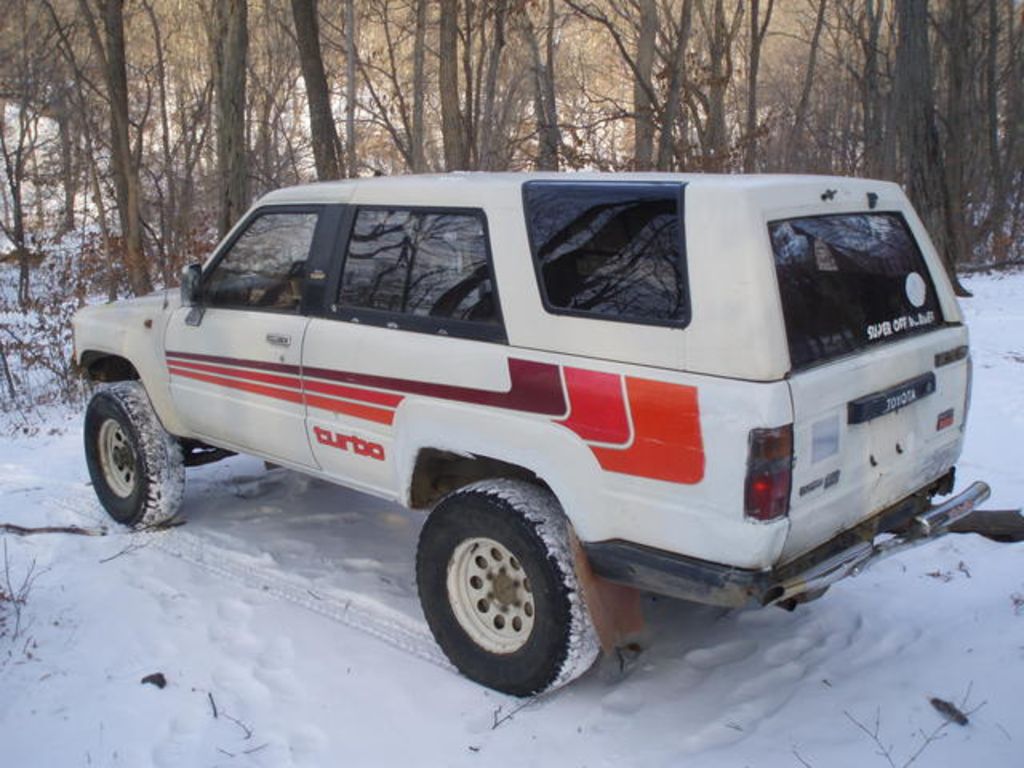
x,y
265,266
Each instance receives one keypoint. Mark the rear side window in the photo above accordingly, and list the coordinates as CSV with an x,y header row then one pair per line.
x,y
850,281
423,265
612,251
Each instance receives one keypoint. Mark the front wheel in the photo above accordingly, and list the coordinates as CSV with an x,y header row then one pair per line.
x,y
137,468
498,588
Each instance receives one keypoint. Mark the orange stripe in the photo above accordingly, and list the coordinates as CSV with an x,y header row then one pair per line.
x,y
353,393
292,396
668,444
379,415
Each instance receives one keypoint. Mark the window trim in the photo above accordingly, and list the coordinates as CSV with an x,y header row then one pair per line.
x,y
321,234
552,309
401,321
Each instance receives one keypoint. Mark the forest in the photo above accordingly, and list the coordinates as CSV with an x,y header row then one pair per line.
x,y
133,133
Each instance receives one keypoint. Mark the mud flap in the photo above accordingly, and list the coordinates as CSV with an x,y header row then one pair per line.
x,y
614,609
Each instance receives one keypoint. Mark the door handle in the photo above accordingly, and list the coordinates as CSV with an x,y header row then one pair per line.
x,y
279,339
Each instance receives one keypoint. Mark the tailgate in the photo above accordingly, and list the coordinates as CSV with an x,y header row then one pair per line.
x,y
879,380
871,430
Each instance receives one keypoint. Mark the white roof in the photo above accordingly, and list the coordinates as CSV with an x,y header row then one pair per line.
x,y
473,187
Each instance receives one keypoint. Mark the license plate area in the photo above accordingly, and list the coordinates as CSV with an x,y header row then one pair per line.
x,y
869,407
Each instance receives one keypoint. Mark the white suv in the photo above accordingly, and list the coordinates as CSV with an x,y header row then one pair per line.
x,y
729,389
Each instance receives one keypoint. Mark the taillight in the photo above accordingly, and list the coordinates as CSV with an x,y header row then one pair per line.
x,y
769,473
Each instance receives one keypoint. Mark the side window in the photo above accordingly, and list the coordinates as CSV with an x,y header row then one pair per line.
x,y
609,250
265,266
430,265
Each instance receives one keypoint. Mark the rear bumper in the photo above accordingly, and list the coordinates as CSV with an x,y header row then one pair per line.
x,y
908,524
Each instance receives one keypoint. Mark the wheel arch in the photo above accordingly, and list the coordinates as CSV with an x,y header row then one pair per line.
x,y
443,447
107,367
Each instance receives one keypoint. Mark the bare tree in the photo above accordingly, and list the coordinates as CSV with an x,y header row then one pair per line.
x,y
920,136
109,48
321,116
453,128
230,44
758,30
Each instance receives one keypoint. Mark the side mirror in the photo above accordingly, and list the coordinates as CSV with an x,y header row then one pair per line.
x,y
190,276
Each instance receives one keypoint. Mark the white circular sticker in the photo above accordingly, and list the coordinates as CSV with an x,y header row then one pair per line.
x,y
916,289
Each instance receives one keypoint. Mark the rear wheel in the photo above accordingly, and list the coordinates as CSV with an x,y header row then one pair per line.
x,y
137,468
499,591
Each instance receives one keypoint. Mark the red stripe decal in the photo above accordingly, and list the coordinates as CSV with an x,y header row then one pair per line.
x,y
292,396
598,409
667,443
260,366
291,382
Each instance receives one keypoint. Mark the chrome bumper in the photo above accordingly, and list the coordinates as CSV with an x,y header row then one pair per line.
x,y
924,527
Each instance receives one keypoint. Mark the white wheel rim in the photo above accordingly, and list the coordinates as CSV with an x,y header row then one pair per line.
x,y
117,459
490,595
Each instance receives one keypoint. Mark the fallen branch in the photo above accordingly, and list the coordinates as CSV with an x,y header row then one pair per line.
x,y
997,524
19,530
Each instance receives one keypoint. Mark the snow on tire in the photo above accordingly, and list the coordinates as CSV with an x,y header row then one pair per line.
x,y
498,588
137,468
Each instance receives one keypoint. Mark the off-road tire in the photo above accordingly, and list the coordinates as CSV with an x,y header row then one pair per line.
x,y
141,479
526,522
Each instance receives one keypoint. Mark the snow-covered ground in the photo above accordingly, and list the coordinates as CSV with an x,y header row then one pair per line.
x,y
284,619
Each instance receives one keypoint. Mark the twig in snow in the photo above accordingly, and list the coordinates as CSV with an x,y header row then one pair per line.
x,y
20,530
245,728
16,596
264,745
133,546
213,704
499,720
883,750
799,757
927,738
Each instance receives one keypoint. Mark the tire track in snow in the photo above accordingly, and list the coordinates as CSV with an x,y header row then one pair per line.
x,y
350,609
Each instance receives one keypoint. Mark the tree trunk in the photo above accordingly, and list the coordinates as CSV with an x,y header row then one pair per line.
x,y
871,108
127,187
758,30
452,127
419,84
643,106
919,132
720,36
958,33
230,51
545,107
321,117
68,174
350,88
674,99
794,143
489,127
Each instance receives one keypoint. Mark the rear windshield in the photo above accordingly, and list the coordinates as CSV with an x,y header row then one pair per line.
x,y
850,281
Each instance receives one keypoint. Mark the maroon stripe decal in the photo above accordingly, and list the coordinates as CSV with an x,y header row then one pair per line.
x,y
255,364
535,387
290,382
